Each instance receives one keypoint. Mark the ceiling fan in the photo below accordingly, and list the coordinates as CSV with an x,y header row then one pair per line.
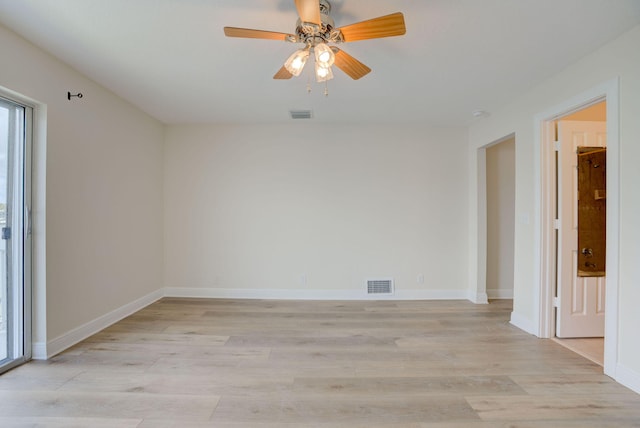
x,y
316,29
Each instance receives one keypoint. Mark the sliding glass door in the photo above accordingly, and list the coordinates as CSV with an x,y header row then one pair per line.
x,y
15,254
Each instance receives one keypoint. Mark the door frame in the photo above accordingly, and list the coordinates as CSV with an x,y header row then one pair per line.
x,y
481,296
19,247
37,321
545,204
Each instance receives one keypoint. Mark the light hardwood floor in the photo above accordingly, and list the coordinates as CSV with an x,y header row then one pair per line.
x,y
195,363
590,348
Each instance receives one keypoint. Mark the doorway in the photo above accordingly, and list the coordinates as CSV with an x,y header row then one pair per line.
x,y
581,241
546,217
15,233
500,194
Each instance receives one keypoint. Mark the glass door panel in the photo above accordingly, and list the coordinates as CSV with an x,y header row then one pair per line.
x,y
14,235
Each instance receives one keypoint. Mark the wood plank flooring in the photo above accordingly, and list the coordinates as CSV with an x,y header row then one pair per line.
x,y
590,348
196,363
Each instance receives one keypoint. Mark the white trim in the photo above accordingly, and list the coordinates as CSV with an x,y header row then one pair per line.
x,y
39,231
291,294
39,351
70,338
544,233
522,323
478,298
611,328
429,295
543,304
500,293
478,284
628,378
481,227
38,322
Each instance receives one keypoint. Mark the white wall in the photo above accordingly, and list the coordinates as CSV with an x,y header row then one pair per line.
x,y
501,194
104,161
258,208
311,211
619,59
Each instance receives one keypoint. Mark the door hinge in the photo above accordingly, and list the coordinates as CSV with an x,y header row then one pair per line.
x,y
556,302
556,146
556,224
6,233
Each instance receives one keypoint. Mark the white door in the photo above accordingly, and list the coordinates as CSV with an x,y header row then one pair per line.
x,y
580,309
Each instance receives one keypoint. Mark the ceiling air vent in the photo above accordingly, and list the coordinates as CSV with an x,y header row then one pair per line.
x,y
301,114
380,286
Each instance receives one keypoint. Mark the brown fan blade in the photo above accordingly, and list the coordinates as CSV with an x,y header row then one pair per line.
x,y
283,73
351,66
309,11
383,26
255,34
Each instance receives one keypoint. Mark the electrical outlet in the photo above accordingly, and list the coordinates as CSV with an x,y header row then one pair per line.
x,y
420,279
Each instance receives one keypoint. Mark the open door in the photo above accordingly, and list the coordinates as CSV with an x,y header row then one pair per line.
x,y
581,205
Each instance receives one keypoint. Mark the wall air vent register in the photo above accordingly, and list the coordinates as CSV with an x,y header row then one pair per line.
x,y
380,286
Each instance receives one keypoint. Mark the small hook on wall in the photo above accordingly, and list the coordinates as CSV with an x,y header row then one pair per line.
x,y
69,95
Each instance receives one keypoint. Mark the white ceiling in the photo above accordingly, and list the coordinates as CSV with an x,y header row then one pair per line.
x,y
171,59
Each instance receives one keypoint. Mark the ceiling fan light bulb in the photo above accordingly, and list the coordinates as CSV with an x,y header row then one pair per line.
x,y
324,55
295,63
323,73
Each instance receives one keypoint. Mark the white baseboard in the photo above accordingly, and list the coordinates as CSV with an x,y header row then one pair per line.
x,y
628,378
70,338
522,323
430,295
500,293
291,294
478,298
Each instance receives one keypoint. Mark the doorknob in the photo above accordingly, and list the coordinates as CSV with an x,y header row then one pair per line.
x,y
588,252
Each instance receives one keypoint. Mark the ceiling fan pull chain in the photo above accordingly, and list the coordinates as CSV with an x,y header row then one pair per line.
x,y
326,89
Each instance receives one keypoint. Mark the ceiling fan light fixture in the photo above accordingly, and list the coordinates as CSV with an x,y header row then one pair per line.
x,y
295,63
324,55
316,30
323,73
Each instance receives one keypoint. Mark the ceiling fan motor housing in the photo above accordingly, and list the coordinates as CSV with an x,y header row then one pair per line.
x,y
312,34
325,7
